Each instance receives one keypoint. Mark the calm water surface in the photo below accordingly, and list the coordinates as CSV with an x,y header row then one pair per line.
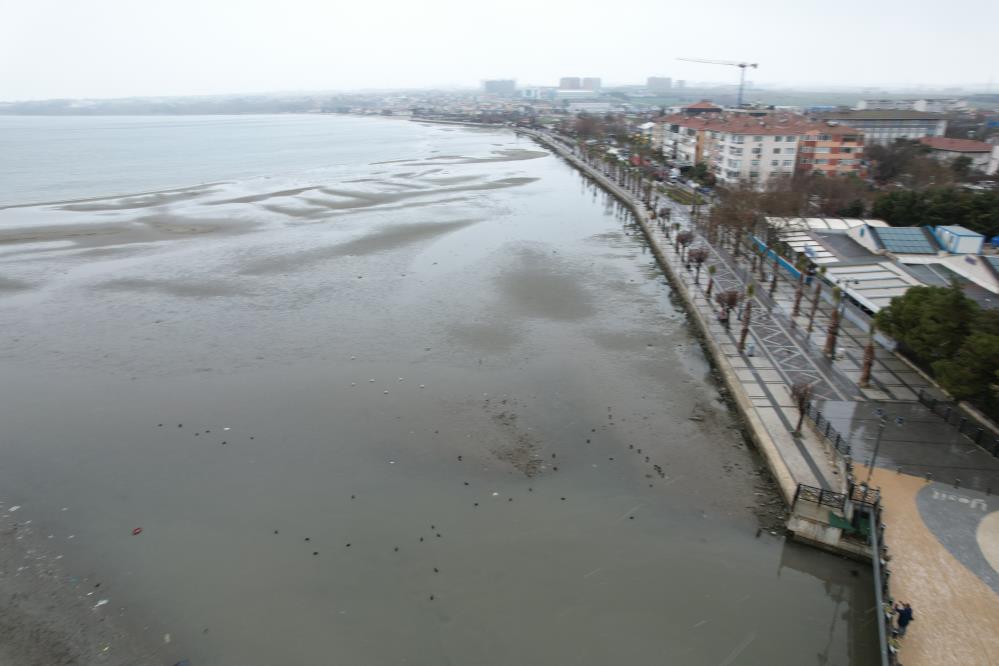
x,y
375,391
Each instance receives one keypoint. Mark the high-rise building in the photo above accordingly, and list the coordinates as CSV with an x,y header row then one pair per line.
x,y
680,84
570,83
504,87
659,83
591,83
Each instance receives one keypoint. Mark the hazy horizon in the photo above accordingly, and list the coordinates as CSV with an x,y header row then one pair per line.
x,y
113,49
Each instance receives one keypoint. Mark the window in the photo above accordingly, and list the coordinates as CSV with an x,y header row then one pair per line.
x,y
735,151
822,149
776,151
846,150
735,164
757,138
738,139
774,162
778,138
823,137
789,162
754,174
822,161
789,151
847,162
754,163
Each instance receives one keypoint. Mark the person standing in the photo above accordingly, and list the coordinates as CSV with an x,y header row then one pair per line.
x,y
904,617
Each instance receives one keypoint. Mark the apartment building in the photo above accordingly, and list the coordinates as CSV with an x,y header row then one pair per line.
x,y
831,149
741,148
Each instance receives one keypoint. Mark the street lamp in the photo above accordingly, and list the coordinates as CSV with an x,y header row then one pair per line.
x,y
882,424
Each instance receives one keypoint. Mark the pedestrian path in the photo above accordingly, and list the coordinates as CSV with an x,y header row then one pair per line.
x,y
944,549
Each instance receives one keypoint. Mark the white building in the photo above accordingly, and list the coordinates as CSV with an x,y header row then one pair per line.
x,y
947,150
931,105
588,107
885,126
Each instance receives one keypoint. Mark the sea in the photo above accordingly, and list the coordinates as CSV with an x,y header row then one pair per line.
x,y
322,389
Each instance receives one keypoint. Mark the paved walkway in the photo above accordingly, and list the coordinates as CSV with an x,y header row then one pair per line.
x,y
943,540
944,547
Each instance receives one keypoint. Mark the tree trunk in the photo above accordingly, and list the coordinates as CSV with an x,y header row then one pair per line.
x,y
815,306
773,283
865,372
697,274
746,316
830,347
797,296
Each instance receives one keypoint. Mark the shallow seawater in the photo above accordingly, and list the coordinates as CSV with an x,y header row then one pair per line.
x,y
429,406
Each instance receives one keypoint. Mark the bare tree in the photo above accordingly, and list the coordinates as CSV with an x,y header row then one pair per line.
x,y
728,300
698,255
802,394
684,238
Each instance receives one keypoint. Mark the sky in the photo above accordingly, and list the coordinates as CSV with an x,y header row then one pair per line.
x,y
122,48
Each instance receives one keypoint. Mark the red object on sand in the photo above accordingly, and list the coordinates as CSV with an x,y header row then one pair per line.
x,y
137,531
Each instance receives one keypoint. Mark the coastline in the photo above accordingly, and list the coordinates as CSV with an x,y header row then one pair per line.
x,y
48,617
756,430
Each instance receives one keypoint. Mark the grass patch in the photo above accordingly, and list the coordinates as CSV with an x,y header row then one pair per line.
x,y
683,196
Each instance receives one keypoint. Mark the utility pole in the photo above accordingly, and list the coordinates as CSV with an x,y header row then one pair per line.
x,y
882,424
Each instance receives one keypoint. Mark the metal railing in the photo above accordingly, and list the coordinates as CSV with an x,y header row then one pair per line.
x,y
819,496
965,423
825,428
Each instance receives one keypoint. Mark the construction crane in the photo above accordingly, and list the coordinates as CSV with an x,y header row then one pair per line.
x,y
742,71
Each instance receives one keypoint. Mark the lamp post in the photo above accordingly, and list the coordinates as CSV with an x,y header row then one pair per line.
x,y
882,424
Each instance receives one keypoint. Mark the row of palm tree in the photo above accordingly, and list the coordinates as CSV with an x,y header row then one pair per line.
x,y
632,179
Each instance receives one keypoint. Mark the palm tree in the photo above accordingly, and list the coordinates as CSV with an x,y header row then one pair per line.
x,y
830,348
711,279
800,291
698,255
773,283
802,394
815,300
865,371
746,316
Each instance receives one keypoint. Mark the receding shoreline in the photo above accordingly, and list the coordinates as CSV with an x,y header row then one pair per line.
x,y
49,617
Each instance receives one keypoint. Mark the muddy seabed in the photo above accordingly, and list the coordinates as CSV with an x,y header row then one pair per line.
x,y
433,410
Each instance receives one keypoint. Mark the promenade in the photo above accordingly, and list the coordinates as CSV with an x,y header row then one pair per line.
x,y
942,523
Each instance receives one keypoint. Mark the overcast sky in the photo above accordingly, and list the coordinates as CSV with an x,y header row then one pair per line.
x,y
112,48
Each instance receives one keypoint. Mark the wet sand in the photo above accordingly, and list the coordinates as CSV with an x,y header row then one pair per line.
x,y
409,429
